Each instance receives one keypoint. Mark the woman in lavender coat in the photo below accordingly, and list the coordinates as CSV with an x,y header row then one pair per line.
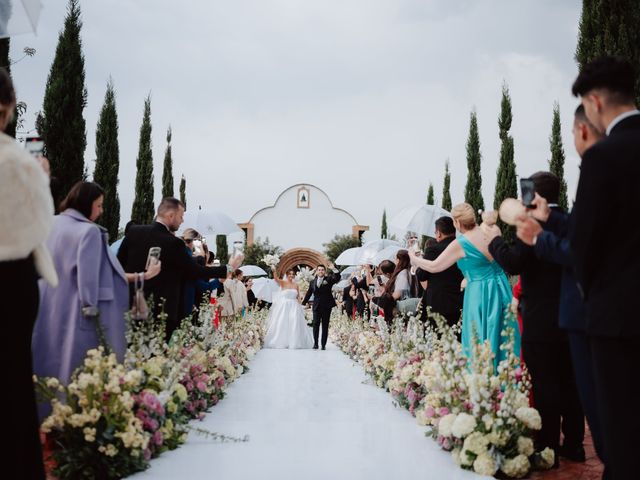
x,y
93,288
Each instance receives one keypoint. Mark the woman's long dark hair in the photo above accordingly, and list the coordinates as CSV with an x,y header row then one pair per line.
x,y
81,197
404,263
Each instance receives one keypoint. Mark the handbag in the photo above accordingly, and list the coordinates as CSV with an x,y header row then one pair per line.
x,y
139,309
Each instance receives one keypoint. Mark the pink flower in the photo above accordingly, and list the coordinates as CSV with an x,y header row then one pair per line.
x,y
157,437
429,412
201,386
444,411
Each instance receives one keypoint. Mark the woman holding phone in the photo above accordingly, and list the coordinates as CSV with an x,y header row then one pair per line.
x,y
93,293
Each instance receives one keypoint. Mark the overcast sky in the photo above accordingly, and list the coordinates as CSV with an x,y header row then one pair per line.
x,y
365,99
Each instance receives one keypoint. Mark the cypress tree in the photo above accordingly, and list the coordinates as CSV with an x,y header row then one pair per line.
x,y
473,188
610,27
108,162
430,195
556,164
183,191
506,185
167,172
142,210
383,228
446,188
222,249
61,123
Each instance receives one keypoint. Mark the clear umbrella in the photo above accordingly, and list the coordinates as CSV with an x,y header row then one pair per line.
x,y
420,219
19,16
349,257
387,253
370,249
252,271
209,222
265,289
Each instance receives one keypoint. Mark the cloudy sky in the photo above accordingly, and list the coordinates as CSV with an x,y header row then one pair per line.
x,y
364,98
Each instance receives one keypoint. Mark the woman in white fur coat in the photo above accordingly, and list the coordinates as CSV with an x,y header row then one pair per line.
x,y
26,215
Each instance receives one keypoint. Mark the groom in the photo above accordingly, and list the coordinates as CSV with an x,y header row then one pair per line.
x,y
323,302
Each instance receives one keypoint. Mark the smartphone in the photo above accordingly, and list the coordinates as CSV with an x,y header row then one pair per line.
x,y
34,145
528,191
153,257
197,246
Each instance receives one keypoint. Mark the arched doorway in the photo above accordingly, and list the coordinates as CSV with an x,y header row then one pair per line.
x,y
300,256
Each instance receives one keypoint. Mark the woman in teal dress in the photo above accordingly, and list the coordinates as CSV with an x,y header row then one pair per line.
x,y
487,294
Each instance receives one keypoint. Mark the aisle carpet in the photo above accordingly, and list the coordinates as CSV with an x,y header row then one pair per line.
x,y
310,415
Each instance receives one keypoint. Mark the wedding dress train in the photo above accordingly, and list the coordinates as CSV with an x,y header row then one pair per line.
x,y
286,324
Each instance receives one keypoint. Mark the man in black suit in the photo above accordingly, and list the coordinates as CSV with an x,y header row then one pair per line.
x,y
604,212
177,265
323,302
551,244
443,291
545,346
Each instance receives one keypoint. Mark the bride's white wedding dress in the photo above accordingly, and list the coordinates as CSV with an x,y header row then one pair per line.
x,y
286,324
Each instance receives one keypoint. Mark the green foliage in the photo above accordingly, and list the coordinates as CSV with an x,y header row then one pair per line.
x,y
446,188
473,188
167,171
142,212
61,123
506,184
108,162
556,164
222,249
610,27
254,254
339,244
383,228
430,195
183,191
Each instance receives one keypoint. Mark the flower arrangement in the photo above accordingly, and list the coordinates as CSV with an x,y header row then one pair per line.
x,y
272,260
304,277
117,416
479,413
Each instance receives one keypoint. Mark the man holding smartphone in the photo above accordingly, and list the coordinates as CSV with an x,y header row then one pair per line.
x,y
177,265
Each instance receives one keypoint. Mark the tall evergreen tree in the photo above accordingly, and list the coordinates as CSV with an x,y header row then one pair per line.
x,y
167,172
142,212
446,188
473,188
5,62
108,162
183,191
506,184
610,27
556,164
222,249
61,123
383,228
430,195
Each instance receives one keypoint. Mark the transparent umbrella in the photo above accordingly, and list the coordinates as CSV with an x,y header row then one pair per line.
x,y
19,16
387,253
419,218
265,289
370,249
349,257
209,222
252,271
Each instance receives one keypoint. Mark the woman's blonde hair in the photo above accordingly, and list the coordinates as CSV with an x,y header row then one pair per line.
x,y
465,215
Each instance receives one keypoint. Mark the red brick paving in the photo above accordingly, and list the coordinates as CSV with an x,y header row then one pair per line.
x,y
590,470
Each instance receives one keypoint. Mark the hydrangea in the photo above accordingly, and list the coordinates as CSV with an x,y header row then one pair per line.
x,y
548,456
485,464
476,443
525,446
516,467
445,424
463,425
529,417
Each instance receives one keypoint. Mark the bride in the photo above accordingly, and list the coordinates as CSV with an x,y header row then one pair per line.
x,y
286,324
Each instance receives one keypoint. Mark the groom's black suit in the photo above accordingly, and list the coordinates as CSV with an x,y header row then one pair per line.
x,y
323,302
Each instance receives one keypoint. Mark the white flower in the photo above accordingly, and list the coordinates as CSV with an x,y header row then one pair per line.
x,y
516,467
89,434
476,443
485,465
455,455
530,417
525,446
548,456
463,425
445,424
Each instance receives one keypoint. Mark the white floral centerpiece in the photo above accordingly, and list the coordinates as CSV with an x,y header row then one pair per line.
x,y
271,260
304,277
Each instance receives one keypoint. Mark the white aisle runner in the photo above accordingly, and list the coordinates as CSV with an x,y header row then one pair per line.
x,y
309,416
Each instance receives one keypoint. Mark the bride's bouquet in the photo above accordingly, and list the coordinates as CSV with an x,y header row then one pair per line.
x,y
271,260
304,277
